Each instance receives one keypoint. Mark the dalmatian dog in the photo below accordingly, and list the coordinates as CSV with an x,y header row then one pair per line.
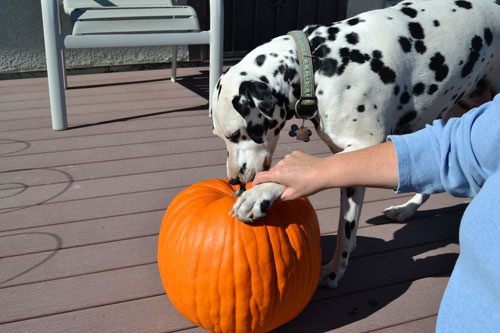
x,y
388,71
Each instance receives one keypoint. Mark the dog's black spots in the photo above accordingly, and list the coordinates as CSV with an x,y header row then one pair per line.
x,y
316,42
267,106
327,66
420,46
290,74
386,74
234,181
255,132
481,86
243,73
405,98
464,4
273,124
377,54
296,89
418,89
243,137
355,119
375,106
488,36
291,52
459,97
441,114
272,54
242,106
219,89
282,125
332,276
277,131
260,59
352,38
281,98
353,21
310,29
332,33
416,30
322,51
476,45
406,4
454,96
361,108
264,205
403,125
282,69
349,227
243,168
348,87
439,67
320,92
436,23
396,90
347,230
409,12
432,89
389,18
344,254
405,44
250,90
235,137
350,191
263,78
286,38
445,92
359,57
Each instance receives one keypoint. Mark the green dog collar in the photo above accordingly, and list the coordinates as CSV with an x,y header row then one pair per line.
x,y
307,105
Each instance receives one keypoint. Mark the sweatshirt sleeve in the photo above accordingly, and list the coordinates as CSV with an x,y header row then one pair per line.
x,y
456,157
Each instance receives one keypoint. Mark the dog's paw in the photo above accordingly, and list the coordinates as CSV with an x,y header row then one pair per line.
x,y
254,203
399,213
408,209
330,278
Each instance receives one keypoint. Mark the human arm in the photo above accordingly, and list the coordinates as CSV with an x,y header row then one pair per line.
x,y
456,157
304,174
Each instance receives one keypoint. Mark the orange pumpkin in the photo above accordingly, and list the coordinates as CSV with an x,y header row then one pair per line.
x,y
228,276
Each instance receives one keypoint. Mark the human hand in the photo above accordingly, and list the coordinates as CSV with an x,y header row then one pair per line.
x,y
298,172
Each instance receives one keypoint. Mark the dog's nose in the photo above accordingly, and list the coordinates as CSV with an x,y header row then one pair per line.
x,y
234,181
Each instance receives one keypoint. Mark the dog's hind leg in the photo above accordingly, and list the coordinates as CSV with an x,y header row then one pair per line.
x,y
351,202
406,210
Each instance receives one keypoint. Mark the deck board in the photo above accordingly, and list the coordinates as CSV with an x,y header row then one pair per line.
x,y
80,212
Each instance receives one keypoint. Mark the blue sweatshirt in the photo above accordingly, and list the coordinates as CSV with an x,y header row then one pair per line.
x,y
462,157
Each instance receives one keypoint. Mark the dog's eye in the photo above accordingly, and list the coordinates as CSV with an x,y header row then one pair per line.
x,y
235,136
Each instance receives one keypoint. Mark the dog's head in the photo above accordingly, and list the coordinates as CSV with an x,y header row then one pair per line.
x,y
248,115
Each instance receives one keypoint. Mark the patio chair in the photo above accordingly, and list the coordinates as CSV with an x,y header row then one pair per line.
x,y
123,23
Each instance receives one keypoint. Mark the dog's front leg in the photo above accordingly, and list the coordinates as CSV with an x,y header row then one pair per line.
x,y
351,202
253,203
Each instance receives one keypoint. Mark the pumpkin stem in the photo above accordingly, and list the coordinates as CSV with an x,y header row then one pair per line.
x,y
241,189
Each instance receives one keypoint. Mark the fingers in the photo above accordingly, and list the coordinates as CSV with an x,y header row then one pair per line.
x,y
263,177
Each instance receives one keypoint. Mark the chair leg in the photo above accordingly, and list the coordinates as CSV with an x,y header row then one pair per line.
x,y
216,46
54,64
63,53
174,63
63,66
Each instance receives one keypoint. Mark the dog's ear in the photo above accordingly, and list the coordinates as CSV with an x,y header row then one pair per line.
x,y
255,94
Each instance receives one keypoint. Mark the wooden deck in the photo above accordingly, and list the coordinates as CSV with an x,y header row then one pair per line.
x,y
80,212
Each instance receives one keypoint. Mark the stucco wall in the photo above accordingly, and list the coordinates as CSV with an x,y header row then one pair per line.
x,y
22,48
